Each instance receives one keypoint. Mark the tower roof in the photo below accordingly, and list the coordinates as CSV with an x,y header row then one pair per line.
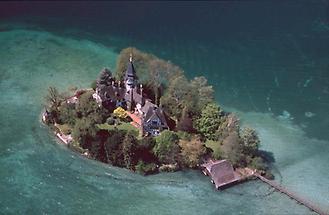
x,y
130,72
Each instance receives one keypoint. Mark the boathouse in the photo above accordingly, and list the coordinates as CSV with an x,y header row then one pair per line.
x,y
221,173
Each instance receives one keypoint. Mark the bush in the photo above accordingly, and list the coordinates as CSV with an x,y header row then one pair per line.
x,y
184,135
144,168
110,120
258,163
65,129
120,112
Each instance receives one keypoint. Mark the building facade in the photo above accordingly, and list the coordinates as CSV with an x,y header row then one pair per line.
x,y
129,95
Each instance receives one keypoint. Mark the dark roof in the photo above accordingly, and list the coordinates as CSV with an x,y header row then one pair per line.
x,y
154,113
111,92
221,172
130,72
148,105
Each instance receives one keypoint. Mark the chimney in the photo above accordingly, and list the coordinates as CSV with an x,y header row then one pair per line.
x,y
141,89
119,84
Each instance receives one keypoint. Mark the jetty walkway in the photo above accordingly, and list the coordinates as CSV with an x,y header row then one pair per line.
x,y
292,195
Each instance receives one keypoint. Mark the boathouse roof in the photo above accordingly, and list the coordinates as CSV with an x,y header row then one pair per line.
x,y
221,173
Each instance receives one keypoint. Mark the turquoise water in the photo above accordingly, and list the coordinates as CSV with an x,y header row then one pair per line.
x,y
273,72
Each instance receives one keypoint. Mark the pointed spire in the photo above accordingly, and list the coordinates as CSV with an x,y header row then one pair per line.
x,y
130,72
131,58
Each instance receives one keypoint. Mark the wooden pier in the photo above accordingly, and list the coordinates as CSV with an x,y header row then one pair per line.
x,y
292,195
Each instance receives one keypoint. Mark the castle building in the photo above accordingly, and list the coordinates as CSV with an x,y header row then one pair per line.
x,y
129,95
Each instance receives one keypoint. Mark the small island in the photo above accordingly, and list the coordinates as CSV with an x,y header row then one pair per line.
x,y
148,117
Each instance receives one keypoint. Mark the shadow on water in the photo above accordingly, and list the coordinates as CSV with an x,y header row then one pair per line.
x,y
267,156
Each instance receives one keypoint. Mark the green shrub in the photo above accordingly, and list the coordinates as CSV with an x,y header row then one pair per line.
x,y
258,163
110,120
65,129
144,168
217,152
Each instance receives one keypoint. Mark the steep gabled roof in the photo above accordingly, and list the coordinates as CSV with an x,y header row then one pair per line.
x,y
148,105
156,113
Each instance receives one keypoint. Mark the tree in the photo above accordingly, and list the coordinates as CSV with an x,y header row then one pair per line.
x,y
192,151
156,78
205,92
144,150
250,140
185,123
129,149
209,121
84,132
160,74
140,59
113,148
88,107
67,113
86,104
229,123
167,149
258,163
104,78
54,98
233,150
215,146
178,96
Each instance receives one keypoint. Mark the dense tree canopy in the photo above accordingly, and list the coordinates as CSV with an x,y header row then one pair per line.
x,y
203,130
192,151
209,121
84,131
67,113
129,146
250,140
167,149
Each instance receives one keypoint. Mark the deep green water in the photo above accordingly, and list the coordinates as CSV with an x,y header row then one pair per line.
x,y
268,62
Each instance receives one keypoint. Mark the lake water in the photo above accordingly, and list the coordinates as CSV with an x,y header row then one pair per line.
x,y
268,62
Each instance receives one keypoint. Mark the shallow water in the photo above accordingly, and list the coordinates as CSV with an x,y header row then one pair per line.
x,y
274,74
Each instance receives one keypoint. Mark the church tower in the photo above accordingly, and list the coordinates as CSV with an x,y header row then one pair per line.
x,y
130,77
130,82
